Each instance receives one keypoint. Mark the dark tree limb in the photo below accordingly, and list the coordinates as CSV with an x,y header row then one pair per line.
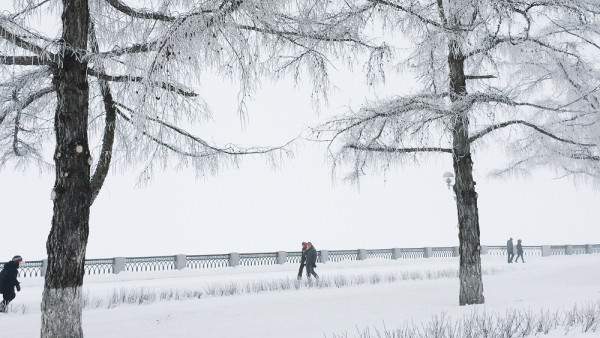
x,y
146,14
477,77
29,8
312,36
137,13
24,103
14,39
133,49
17,127
226,151
491,128
18,60
383,149
108,138
408,11
126,78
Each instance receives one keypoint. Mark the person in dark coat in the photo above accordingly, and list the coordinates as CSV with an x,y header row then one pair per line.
x,y
8,282
302,259
519,251
311,261
510,250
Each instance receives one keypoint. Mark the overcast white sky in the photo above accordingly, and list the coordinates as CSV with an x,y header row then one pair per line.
x,y
256,208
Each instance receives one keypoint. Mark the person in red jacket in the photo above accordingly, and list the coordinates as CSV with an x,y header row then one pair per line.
x,y
311,261
8,282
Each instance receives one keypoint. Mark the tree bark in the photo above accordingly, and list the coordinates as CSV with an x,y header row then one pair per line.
x,y
67,241
471,284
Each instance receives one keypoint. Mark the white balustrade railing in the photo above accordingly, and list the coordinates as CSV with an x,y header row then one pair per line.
x,y
178,262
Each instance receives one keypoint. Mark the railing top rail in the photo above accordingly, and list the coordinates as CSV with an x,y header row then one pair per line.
x,y
99,259
259,254
514,244
165,256
210,256
341,252
411,249
292,253
23,263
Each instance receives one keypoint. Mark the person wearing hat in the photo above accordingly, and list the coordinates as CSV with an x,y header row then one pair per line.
x,y
8,282
302,259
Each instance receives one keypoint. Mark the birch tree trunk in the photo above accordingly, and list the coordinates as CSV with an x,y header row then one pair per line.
x,y
471,284
66,245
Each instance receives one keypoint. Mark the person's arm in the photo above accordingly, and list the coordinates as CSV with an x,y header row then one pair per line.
x,y
12,280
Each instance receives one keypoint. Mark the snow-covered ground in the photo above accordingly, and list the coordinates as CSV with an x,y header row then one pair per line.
x,y
351,298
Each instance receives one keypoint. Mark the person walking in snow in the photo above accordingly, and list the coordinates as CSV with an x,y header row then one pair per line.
x,y
519,252
311,261
302,259
8,282
510,250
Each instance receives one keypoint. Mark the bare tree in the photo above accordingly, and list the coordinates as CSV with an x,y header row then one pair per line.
x,y
521,74
123,77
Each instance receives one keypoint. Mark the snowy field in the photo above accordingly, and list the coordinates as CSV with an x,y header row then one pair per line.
x,y
352,299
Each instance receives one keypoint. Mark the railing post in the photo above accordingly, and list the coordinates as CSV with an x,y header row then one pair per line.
x,y
396,253
44,267
118,264
324,256
483,250
589,249
427,252
362,254
568,249
456,252
234,259
180,262
281,257
546,250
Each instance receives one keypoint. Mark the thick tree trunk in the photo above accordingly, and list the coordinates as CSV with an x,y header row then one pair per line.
x,y
61,300
471,284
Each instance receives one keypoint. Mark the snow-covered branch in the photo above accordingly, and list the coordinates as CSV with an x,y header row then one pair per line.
x,y
384,149
128,78
538,129
21,60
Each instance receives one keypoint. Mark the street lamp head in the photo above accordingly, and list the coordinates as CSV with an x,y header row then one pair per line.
x,y
448,176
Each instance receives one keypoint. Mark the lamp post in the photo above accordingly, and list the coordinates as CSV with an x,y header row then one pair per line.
x,y
449,177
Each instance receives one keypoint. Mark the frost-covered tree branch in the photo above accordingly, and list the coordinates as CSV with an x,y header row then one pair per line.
x,y
491,128
399,150
127,78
